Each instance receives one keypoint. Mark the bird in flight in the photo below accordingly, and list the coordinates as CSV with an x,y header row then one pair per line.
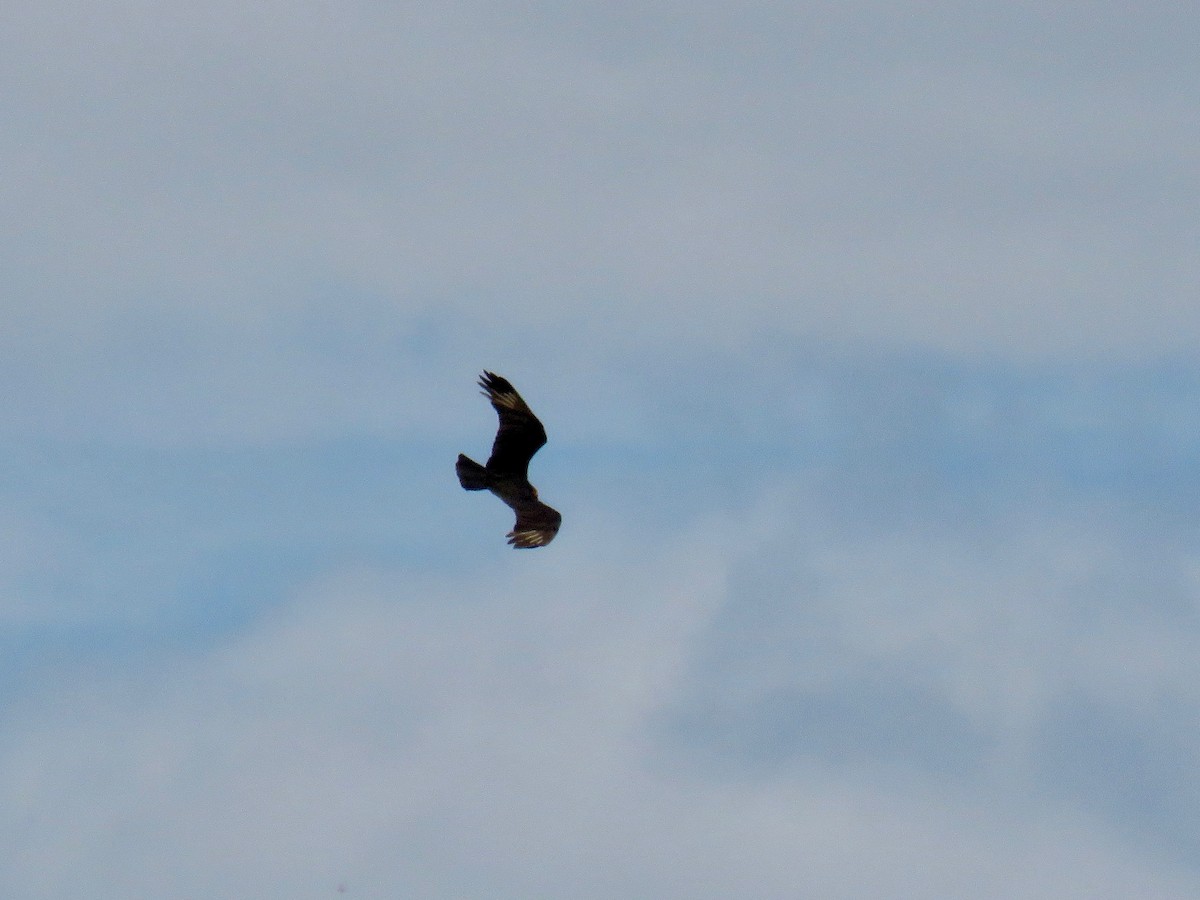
x,y
507,471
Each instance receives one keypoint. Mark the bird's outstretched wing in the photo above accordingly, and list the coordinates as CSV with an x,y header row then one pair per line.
x,y
520,434
536,526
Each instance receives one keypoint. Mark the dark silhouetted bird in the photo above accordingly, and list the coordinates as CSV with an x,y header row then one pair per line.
x,y
507,471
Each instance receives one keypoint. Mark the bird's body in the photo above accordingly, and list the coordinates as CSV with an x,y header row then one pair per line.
x,y
507,471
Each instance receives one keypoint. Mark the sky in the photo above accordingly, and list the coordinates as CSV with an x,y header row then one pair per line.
x,y
865,336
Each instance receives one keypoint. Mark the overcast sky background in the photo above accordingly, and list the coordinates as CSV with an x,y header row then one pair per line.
x,y
865,337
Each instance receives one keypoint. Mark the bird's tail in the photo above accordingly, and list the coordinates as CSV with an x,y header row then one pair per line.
x,y
471,475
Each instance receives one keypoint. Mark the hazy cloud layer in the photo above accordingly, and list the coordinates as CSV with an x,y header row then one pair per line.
x,y
1005,179
663,721
864,337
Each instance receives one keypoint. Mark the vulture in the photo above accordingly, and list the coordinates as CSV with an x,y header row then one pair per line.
x,y
507,471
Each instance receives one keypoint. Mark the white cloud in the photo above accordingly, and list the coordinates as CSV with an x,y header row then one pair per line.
x,y
500,734
860,173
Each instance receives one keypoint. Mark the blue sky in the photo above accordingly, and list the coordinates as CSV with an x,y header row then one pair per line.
x,y
865,338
